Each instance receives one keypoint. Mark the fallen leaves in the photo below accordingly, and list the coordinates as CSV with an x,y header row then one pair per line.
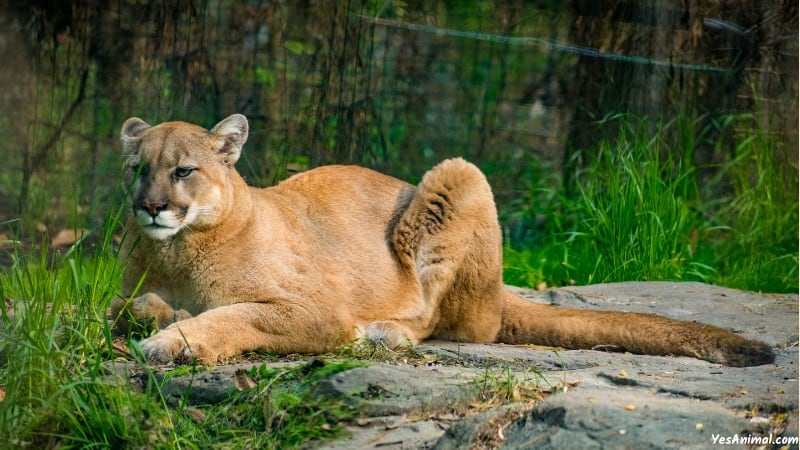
x,y
67,237
120,347
242,381
194,414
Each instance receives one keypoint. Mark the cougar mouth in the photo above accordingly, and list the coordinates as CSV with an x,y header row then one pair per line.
x,y
165,224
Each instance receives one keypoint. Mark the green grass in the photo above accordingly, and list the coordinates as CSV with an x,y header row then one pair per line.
x,y
641,214
757,249
278,412
55,345
53,342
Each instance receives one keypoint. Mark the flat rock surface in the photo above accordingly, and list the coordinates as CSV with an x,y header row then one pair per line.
x,y
589,399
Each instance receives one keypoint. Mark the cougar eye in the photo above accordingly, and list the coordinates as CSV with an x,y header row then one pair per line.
x,y
183,172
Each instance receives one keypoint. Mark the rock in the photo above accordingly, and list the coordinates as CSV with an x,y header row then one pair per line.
x,y
394,394
386,390
617,400
473,429
623,418
207,387
408,435
773,387
592,399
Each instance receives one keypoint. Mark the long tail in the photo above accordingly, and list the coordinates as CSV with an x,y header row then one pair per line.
x,y
531,323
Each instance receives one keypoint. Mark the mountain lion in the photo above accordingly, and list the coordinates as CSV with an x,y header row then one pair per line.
x,y
337,253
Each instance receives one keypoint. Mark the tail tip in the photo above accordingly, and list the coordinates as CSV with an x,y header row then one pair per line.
x,y
745,354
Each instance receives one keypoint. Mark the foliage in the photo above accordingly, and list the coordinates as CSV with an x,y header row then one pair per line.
x,y
757,248
58,389
639,214
276,412
54,337
353,82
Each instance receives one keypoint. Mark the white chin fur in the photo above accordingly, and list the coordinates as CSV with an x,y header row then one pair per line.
x,y
159,233
164,225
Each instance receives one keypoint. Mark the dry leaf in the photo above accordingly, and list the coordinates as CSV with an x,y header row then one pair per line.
x,y
67,237
7,241
630,407
622,373
195,414
242,381
121,347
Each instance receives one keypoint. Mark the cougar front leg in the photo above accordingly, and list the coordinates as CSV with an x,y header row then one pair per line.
x,y
392,333
234,329
148,311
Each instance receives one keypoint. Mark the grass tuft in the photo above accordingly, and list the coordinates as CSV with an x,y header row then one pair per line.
x,y
757,249
640,214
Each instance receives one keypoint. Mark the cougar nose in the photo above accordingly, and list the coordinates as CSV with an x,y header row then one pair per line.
x,y
154,207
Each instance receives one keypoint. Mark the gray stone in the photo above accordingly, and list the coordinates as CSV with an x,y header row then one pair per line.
x,y
773,387
598,399
623,418
206,387
394,433
466,432
385,390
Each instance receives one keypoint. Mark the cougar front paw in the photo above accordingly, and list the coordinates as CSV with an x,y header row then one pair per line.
x,y
144,313
170,345
388,333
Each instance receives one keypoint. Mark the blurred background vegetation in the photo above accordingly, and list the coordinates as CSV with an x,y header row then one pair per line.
x,y
608,129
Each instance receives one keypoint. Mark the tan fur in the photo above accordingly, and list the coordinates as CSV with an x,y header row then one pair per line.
x,y
337,253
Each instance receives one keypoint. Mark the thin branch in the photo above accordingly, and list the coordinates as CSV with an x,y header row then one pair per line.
x,y
40,155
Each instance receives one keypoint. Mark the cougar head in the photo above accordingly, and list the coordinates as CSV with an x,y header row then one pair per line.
x,y
179,174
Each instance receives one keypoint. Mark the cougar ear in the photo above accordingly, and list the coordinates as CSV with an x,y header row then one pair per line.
x,y
132,131
232,134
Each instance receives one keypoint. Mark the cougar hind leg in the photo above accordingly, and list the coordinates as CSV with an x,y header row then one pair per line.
x,y
450,238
